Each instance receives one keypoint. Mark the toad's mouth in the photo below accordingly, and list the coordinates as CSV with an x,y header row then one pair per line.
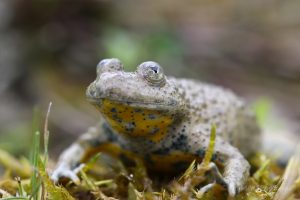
x,y
134,104
97,97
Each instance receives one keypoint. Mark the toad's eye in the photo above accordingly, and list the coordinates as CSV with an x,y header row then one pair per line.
x,y
109,65
153,73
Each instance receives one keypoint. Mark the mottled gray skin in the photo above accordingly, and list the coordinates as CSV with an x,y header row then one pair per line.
x,y
193,107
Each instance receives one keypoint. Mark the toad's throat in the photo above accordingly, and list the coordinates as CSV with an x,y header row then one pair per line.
x,y
136,121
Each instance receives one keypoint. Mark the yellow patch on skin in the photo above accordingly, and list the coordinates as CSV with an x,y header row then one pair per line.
x,y
136,122
167,163
162,163
112,149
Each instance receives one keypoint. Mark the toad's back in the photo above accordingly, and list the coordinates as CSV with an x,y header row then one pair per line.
x,y
209,104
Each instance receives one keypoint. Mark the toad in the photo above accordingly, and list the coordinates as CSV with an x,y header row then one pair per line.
x,y
166,122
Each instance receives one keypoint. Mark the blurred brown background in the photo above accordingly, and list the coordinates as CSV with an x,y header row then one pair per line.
x,y
49,50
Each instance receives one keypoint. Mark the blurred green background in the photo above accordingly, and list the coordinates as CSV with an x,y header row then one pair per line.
x,y
49,50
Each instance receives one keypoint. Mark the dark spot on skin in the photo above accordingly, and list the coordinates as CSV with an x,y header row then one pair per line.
x,y
180,143
151,116
116,118
138,110
172,102
114,110
157,101
219,158
200,153
214,157
183,137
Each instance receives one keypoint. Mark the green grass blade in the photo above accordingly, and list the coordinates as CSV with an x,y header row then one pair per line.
x,y
34,162
46,135
210,149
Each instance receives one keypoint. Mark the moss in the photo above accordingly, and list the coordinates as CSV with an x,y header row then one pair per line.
x,y
103,181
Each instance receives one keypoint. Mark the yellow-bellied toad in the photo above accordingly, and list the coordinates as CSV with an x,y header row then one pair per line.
x,y
164,121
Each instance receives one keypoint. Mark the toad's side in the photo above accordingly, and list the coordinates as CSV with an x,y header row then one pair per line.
x,y
165,122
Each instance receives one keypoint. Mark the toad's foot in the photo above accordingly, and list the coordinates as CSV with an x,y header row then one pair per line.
x,y
64,170
226,183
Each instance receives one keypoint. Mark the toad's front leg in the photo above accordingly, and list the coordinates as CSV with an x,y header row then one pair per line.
x,y
96,139
236,171
236,167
